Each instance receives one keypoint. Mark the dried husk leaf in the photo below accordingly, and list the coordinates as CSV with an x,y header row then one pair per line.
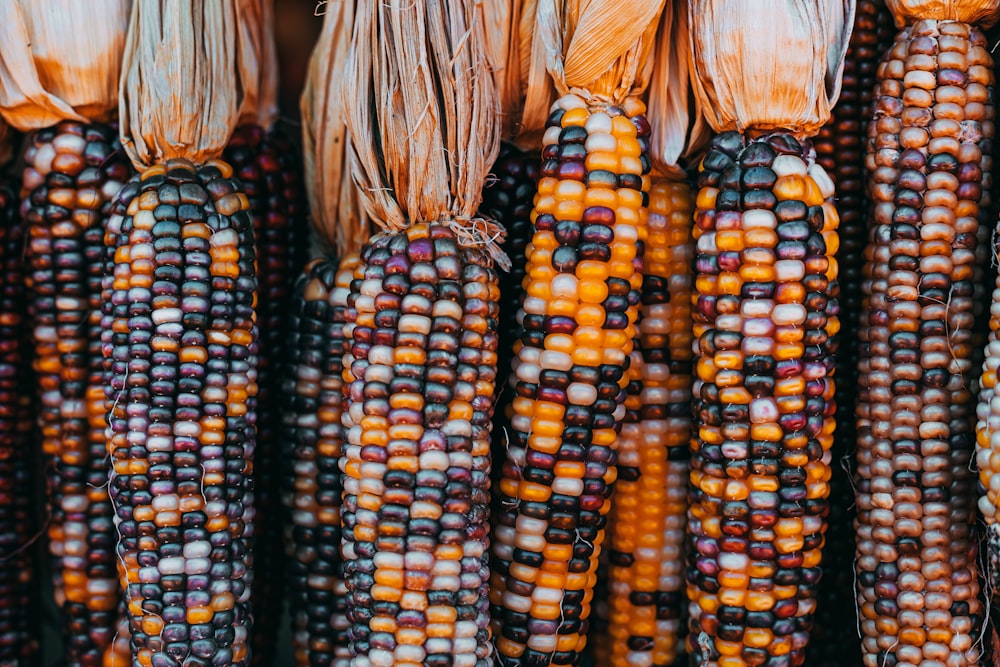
x,y
503,53
598,49
422,114
60,60
337,214
786,73
183,78
681,130
983,13
260,63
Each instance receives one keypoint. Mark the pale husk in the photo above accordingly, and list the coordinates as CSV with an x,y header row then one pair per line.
x,y
422,115
681,130
503,53
337,214
786,73
184,75
598,49
260,63
60,60
983,13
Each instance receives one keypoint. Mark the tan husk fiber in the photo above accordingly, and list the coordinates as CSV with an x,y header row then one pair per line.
x,y
786,73
680,129
983,13
183,76
594,48
503,54
337,214
60,60
260,98
422,115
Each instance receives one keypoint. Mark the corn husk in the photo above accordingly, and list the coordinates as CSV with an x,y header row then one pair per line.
x,y
260,98
681,130
184,74
983,13
337,214
598,49
422,115
786,73
60,60
503,54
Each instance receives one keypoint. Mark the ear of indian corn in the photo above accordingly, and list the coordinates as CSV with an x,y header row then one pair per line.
x,y
72,172
649,509
269,169
18,579
578,316
840,150
765,315
421,373
929,142
312,446
181,344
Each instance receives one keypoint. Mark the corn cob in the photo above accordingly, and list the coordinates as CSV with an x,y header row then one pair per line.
x,y
267,166
72,171
421,372
763,399
840,149
578,316
182,349
312,396
928,144
18,643
650,504
507,198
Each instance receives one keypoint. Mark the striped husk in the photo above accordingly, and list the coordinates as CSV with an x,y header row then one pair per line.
x,y
765,317
578,318
18,578
72,172
649,509
928,149
270,171
312,445
181,346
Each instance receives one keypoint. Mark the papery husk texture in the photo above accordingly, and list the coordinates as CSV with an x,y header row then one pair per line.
x,y
598,49
768,65
60,60
337,214
184,75
422,114
983,13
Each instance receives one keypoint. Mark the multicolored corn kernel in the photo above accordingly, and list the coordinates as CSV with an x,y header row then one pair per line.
x,y
649,508
18,639
312,446
578,319
72,171
182,347
929,142
270,170
765,319
840,150
421,373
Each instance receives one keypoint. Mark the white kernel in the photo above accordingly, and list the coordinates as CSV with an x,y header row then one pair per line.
x,y
789,165
173,565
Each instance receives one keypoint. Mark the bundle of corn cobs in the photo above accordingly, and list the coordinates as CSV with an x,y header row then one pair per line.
x,y
564,333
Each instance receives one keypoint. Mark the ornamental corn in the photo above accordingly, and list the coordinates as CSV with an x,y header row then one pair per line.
x,y
765,313
578,316
313,437
928,144
421,373
182,349
72,172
